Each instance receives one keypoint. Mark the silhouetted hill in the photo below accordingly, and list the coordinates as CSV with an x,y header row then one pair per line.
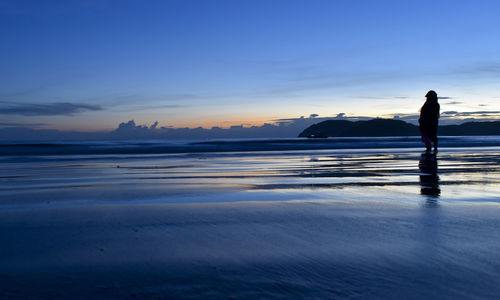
x,y
389,127
471,128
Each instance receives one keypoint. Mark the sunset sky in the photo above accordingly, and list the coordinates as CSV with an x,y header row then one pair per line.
x,y
89,65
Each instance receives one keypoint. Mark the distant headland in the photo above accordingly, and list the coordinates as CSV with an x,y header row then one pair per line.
x,y
391,127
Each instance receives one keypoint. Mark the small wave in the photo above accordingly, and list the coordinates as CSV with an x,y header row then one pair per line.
x,y
233,145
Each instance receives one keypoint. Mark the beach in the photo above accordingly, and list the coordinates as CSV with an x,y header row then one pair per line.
x,y
362,223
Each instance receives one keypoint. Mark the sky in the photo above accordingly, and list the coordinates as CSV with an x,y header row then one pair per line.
x,y
90,65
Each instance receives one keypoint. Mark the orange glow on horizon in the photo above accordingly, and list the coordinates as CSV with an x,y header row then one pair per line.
x,y
212,122
106,125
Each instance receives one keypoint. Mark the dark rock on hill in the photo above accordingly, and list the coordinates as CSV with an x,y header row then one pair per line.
x,y
327,128
471,128
375,127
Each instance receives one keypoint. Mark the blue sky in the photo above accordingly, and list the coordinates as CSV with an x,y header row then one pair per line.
x,y
89,65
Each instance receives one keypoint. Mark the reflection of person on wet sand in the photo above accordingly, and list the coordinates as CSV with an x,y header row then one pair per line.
x,y
428,122
429,179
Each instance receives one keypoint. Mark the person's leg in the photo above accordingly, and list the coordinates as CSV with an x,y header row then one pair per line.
x,y
435,145
428,146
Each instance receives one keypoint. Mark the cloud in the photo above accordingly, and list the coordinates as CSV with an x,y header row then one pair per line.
x,y
160,98
483,113
330,81
144,101
134,108
484,68
456,117
453,103
492,67
17,124
313,119
452,117
49,109
130,130
382,97
296,77
445,98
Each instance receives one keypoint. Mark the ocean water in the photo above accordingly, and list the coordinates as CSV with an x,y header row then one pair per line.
x,y
350,218
227,145
194,172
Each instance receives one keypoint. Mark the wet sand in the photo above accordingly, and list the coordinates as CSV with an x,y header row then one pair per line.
x,y
383,224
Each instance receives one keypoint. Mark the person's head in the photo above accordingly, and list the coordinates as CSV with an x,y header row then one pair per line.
x,y
431,95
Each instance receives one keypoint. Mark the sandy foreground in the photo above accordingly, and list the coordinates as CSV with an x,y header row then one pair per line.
x,y
316,225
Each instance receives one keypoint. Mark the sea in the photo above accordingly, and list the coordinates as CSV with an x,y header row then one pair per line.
x,y
296,218
31,148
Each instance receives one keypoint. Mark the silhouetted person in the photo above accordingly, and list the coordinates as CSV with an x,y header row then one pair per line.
x,y
429,115
429,179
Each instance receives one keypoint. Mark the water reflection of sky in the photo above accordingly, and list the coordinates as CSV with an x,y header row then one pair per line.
x,y
229,177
